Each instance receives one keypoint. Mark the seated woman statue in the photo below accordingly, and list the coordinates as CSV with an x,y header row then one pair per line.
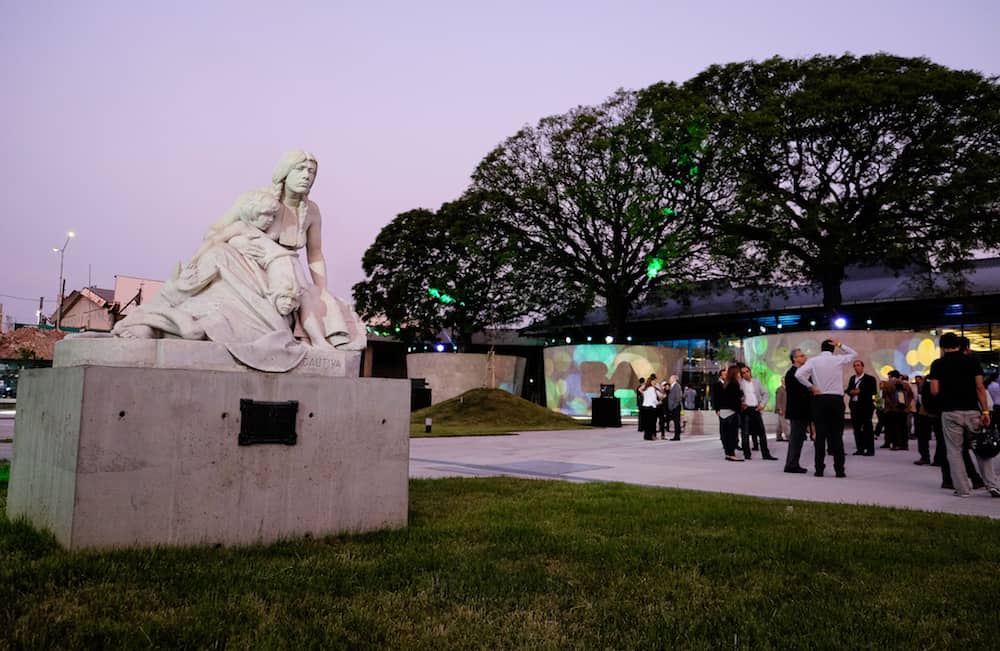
x,y
245,288
298,225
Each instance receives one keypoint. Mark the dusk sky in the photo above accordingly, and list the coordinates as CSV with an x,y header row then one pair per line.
x,y
137,123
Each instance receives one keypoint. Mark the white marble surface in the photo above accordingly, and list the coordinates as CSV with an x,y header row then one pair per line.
x,y
195,355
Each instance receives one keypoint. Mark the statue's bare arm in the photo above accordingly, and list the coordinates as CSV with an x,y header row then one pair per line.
x,y
314,252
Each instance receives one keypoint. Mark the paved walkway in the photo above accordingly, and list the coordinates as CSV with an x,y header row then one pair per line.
x,y
6,432
887,479
696,462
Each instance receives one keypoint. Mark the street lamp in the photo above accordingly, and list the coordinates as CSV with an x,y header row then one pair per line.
x,y
70,235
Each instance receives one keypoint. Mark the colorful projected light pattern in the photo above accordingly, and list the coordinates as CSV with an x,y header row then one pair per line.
x,y
911,353
574,374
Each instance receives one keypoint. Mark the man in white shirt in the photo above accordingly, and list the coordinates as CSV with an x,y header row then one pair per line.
x,y
755,398
823,375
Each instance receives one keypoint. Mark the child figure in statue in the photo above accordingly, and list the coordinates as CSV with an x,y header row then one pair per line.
x,y
281,279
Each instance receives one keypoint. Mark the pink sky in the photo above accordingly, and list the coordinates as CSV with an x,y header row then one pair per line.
x,y
136,124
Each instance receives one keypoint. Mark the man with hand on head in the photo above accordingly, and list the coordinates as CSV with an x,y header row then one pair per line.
x,y
824,376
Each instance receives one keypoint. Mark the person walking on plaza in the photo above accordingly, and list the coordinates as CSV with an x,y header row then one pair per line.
x,y
798,410
957,383
861,390
780,403
824,377
674,401
754,401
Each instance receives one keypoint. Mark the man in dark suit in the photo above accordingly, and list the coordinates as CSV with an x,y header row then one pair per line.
x,y
798,411
861,390
674,402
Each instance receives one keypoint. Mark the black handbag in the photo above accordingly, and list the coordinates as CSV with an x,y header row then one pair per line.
x,y
986,442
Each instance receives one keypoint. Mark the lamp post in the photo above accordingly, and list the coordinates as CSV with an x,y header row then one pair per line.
x,y
70,235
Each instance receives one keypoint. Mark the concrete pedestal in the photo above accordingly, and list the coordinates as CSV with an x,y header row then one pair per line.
x,y
190,355
120,457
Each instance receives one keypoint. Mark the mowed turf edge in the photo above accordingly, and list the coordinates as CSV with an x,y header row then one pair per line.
x,y
511,563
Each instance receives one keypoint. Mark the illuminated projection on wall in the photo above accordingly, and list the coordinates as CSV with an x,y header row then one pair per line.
x,y
574,374
911,353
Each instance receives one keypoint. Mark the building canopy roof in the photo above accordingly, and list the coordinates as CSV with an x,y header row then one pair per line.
x,y
867,289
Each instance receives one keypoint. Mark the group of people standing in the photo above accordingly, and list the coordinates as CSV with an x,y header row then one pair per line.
x,y
739,398
952,402
660,405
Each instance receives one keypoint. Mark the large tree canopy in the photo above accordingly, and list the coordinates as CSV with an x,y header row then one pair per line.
x,y
602,207
452,270
850,160
770,174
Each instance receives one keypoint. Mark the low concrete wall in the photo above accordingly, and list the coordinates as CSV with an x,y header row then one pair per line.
x,y
452,374
120,457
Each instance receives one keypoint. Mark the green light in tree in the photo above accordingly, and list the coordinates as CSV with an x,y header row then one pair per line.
x,y
693,170
667,212
677,181
441,296
654,267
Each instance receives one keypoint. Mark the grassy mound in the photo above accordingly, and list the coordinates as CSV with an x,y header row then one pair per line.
x,y
488,411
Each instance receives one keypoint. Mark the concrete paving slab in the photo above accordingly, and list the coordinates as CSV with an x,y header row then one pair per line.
x,y
696,462
6,433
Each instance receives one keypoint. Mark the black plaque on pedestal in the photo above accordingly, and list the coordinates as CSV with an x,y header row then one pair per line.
x,y
606,412
267,422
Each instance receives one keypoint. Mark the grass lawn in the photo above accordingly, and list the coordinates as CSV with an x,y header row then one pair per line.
x,y
488,412
507,563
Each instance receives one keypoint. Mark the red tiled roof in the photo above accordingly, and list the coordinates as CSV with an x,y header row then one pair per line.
x,y
37,341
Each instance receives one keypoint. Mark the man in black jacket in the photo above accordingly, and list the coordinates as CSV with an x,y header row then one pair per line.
x,y
861,390
797,411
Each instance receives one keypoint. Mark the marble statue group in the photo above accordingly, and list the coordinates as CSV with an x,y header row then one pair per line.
x,y
245,286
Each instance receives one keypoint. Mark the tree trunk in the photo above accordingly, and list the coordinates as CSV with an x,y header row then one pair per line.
x,y
617,308
832,275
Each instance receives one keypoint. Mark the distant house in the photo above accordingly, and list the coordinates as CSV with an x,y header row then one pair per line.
x,y
90,308
131,292
93,308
